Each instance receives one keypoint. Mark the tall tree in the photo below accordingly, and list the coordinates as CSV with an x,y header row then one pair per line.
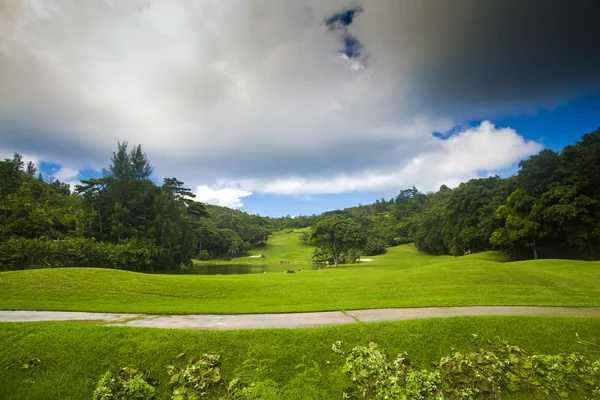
x,y
31,169
522,221
337,234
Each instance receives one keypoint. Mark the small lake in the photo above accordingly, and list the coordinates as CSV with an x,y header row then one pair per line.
x,y
238,269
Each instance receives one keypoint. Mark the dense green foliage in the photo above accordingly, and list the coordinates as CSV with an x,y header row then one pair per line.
x,y
339,238
485,371
292,363
193,380
550,209
128,383
121,220
402,277
231,233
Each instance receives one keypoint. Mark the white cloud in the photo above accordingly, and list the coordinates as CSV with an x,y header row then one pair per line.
x,y
225,196
65,174
255,92
475,152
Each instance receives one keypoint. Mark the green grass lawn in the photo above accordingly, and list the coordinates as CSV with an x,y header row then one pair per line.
x,y
400,278
281,246
73,356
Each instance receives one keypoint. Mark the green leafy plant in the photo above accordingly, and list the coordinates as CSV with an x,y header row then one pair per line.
x,y
196,378
127,384
374,376
484,372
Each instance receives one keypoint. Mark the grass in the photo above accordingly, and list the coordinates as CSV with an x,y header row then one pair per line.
x,y
74,356
282,246
400,278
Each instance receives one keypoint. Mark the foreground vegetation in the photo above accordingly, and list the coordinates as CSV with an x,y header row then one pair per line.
x,y
400,278
74,356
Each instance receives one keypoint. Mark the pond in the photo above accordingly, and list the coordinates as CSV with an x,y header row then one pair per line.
x,y
236,269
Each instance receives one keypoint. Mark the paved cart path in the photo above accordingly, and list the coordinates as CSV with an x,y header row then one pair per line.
x,y
294,320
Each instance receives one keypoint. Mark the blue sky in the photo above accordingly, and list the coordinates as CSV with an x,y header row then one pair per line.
x,y
554,128
297,107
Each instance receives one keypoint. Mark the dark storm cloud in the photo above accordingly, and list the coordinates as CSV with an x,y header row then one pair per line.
x,y
339,22
473,57
341,19
256,91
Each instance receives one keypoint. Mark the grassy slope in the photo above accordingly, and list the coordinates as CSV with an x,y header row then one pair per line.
x,y
74,356
400,278
281,246
285,246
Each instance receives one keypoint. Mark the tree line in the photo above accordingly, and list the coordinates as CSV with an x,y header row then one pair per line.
x,y
549,209
121,220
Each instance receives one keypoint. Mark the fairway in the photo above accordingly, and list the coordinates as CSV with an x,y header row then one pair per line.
x,y
282,246
402,277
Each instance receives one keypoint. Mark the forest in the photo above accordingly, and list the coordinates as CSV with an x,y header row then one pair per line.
x,y
122,220
549,209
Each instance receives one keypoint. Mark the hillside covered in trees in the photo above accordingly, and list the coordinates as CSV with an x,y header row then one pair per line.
x,y
550,209
122,220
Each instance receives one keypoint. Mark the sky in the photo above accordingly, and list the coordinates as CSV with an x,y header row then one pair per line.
x,y
287,108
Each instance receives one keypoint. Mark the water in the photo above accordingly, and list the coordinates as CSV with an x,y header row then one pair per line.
x,y
237,269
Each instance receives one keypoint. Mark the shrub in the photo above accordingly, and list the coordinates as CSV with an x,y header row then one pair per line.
x,y
131,254
375,377
196,378
349,257
374,247
484,372
127,384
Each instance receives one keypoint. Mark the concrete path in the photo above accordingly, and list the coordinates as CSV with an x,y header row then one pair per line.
x,y
295,320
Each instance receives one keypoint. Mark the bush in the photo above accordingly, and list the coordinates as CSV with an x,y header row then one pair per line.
x,y
375,377
484,372
131,254
374,247
349,257
128,384
196,378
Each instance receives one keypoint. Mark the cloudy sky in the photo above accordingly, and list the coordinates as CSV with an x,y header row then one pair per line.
x,y
293,107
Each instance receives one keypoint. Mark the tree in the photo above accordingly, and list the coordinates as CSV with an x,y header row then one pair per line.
x,y
539,172
468,216
573,214
337,234
31,169
521,215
